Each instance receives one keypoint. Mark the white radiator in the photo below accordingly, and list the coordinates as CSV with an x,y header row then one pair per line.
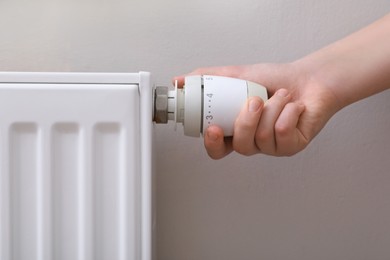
x,y
75,166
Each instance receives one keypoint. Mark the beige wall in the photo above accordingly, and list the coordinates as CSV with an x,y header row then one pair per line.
x,y
331,201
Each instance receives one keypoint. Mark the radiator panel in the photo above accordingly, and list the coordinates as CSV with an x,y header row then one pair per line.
x,y
71,174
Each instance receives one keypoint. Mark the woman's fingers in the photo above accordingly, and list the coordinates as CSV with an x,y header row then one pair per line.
x,y
269,129
265,136
216,145
246,125
289,139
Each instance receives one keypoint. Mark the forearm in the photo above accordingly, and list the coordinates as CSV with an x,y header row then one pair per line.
x,y
355,67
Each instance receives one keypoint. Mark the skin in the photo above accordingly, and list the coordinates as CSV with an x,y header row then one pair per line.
x,y
305,93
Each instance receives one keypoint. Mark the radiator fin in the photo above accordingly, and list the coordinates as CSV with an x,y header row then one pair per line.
x,y
106,191
66,150
24,188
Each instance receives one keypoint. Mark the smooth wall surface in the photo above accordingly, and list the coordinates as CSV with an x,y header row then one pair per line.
x,y
331,201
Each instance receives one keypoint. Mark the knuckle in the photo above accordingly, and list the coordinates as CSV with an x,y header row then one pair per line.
x,y
277,100
263,135
282,130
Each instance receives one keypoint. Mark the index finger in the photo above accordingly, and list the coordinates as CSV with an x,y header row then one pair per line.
x,y
227,71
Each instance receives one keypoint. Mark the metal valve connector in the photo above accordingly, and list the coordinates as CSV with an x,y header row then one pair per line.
x,y
161,105
167,104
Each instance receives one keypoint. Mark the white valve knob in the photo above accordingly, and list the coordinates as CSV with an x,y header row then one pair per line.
x,y
210,100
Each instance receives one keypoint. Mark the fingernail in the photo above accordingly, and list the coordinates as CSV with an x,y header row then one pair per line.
x,y
254,105
212,135
282,92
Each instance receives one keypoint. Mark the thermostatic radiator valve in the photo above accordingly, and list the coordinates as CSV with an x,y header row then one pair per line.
x,y
204,101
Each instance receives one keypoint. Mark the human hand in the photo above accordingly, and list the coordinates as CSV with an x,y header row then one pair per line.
x,y
304,94
297,110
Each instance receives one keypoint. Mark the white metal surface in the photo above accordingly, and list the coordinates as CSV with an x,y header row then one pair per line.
x,y
75,166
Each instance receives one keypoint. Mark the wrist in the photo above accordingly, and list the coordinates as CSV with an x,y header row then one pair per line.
x,y
355,67
317,72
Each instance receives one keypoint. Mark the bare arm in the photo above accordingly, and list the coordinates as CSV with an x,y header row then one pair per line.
x,y
355,67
